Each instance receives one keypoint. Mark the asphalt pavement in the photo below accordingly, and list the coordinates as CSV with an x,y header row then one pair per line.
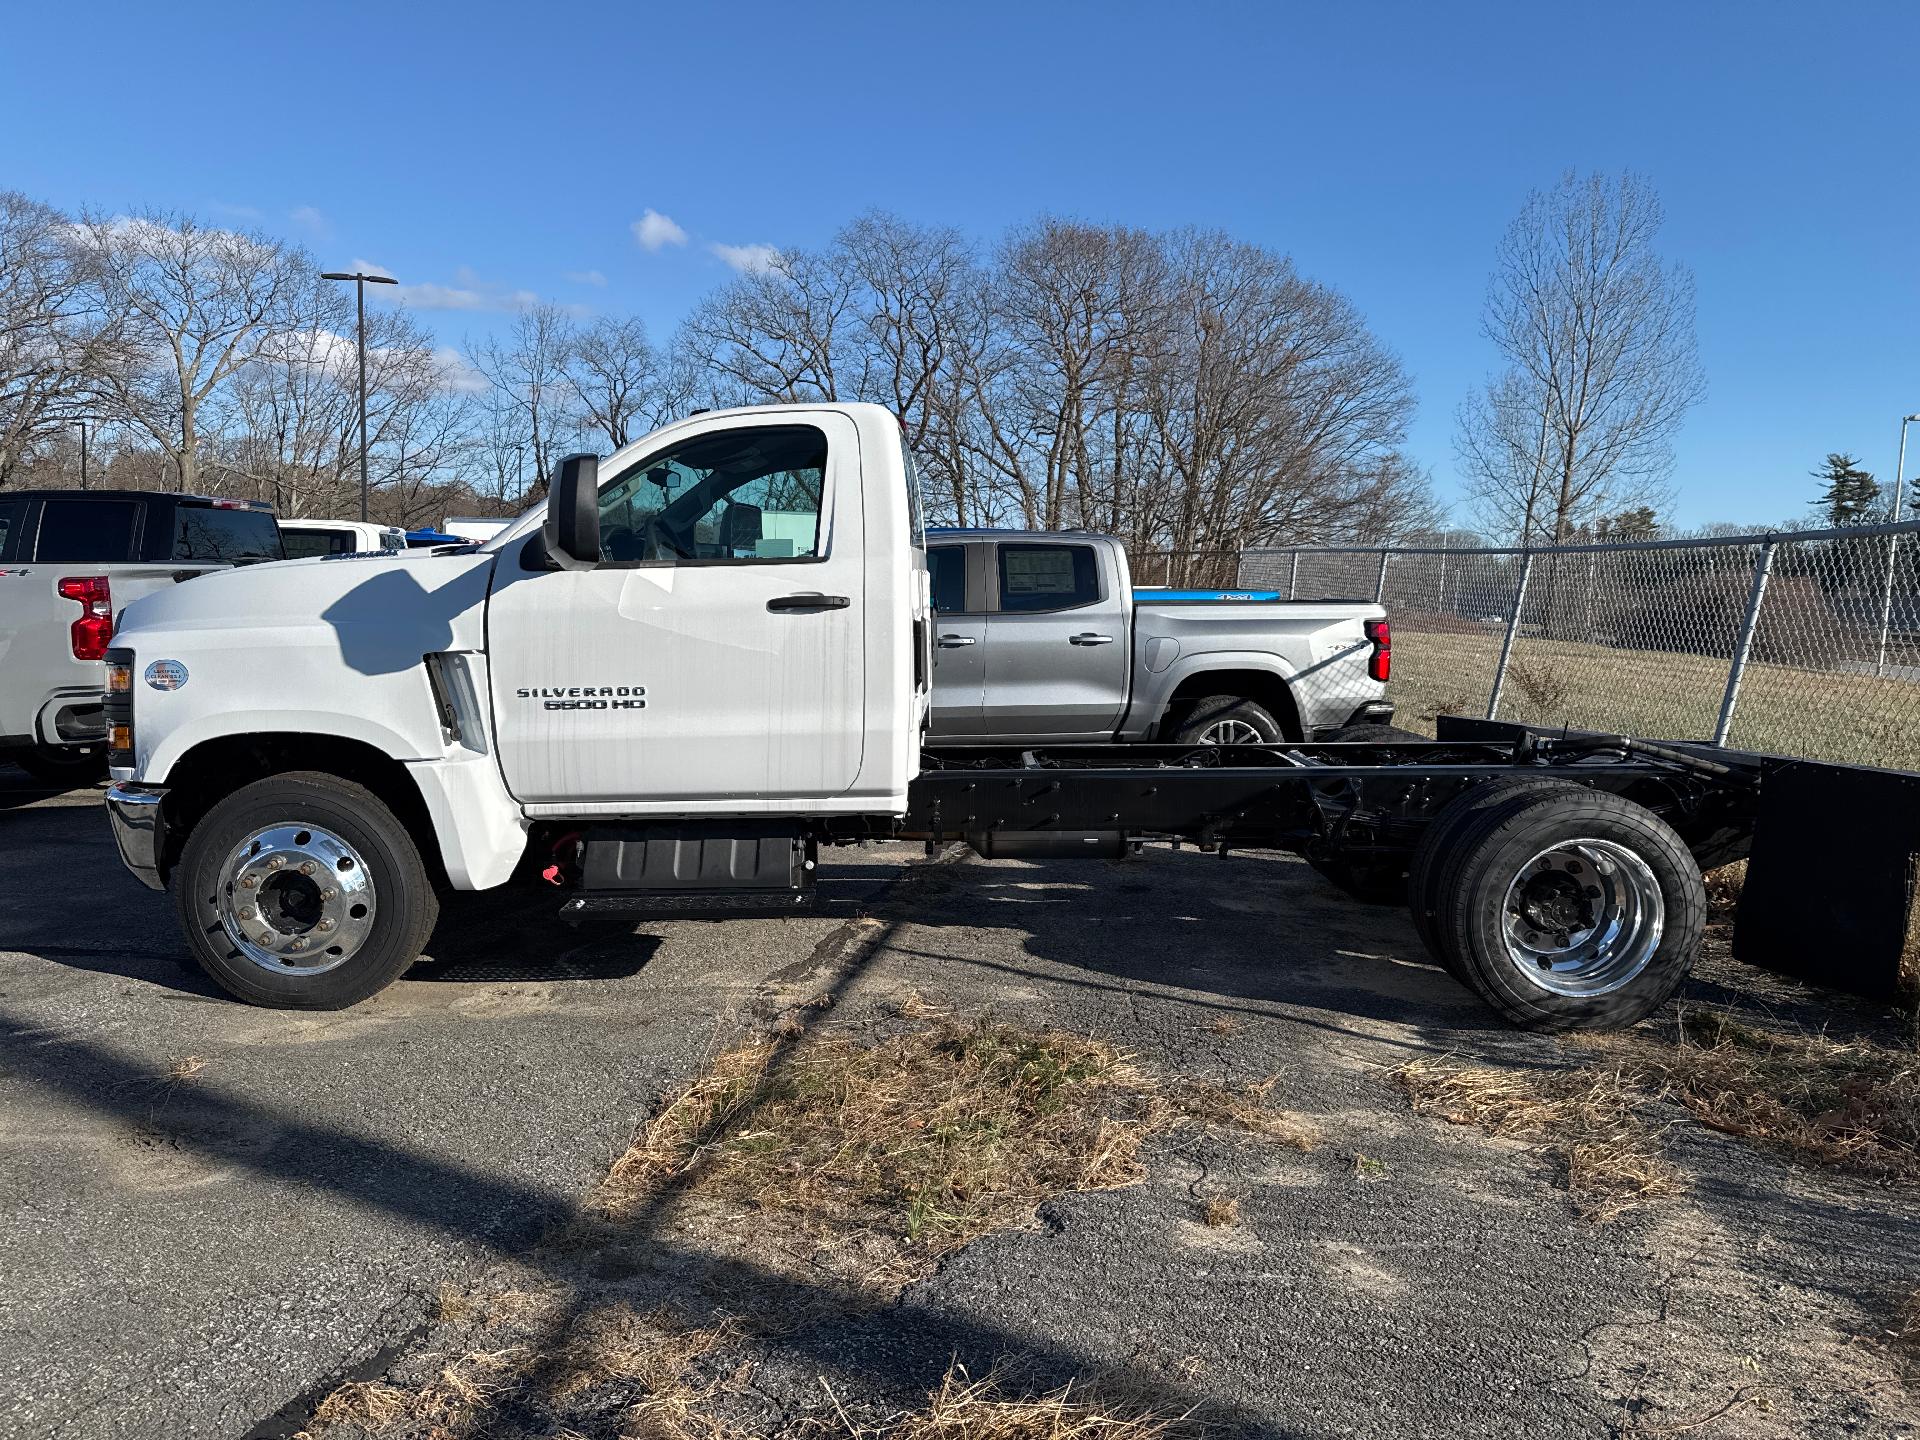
x,y
209,1212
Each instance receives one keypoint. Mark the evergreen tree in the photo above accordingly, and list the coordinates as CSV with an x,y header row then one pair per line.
x,y
1852,496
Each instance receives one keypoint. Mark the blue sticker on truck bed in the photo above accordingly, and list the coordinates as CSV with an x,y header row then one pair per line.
x,y
166,674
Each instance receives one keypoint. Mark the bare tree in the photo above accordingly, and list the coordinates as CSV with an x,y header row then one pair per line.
x,y
1598,339
528,370
613,371
195,305
53,336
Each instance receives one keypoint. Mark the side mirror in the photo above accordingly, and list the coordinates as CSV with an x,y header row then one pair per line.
x,y
572,531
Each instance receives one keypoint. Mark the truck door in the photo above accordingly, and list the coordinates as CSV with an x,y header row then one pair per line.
x,y
958,630
1056,645
715,656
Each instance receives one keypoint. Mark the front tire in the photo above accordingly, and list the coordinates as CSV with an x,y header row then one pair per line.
x,y
1570,912
303,891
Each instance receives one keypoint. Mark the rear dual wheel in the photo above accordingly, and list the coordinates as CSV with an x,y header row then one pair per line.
x,y
1562,907
303,891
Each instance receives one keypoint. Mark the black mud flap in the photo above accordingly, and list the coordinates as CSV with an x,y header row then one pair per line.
x,y
1831,881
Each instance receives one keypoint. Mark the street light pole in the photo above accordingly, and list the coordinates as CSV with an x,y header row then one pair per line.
x,y
1893,547
83,452
360,283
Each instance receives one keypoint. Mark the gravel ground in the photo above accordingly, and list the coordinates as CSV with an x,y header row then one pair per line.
x,y
188,1257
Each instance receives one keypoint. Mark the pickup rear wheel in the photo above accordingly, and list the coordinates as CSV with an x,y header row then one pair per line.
x,y
303,891
1571,911
1227,720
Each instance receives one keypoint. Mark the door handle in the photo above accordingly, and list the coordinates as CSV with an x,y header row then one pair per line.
x,y
810,601
952,642
1089,638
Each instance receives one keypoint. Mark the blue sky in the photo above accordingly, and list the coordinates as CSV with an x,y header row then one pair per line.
x,y
490,150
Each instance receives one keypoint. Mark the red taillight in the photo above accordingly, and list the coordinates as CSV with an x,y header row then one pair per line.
x,y
1380,663
94,628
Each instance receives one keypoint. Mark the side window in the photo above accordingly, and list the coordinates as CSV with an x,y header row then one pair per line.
x,y
1048,577
747,496
232,533
85,531
9,525
392,540
948,564
303,544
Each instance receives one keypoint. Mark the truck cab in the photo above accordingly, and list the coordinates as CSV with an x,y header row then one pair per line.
x,y
715,641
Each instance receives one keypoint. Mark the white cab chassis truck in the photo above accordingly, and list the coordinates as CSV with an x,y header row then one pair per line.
x,y
708,657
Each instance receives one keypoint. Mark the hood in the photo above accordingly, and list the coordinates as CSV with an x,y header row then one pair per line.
x,y
376,614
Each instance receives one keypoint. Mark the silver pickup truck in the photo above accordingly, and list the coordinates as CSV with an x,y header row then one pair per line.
x,y
1040,637
70,562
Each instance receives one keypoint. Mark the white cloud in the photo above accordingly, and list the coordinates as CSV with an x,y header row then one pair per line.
x,y
652,231
309,217
586,277
468,292
459,376
748,259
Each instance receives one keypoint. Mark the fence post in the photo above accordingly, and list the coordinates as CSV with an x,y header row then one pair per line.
x,y
1886,595
1513,626
1380,581
1293,575
1441,607
1742,647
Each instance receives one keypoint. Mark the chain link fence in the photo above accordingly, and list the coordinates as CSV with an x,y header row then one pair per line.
x,y
1802,643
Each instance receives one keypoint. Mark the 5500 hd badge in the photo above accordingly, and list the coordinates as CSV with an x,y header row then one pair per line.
x,y
587,697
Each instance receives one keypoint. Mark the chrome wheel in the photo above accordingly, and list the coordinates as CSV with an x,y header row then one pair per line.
x,y
1583,917
1231,732
296,899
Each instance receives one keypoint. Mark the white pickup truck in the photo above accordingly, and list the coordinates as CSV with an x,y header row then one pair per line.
x,y
1042,639
70,560
708,657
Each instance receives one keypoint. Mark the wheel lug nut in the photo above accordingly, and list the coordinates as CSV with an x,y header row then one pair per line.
x,y
329,894
298,945
324,925
247,882
306,867
276,861
266,939
247,912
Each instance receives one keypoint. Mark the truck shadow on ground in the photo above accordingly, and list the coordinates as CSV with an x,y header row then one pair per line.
x,y
1240,935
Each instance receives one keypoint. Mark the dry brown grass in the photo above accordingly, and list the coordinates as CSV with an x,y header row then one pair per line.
x,y
1853,1105
1220,1212
1659,693
185,1068
967,1409
1587,1116
1242,1108
928,1140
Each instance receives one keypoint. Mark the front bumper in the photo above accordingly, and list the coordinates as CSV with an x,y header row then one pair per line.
x,y
139,829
